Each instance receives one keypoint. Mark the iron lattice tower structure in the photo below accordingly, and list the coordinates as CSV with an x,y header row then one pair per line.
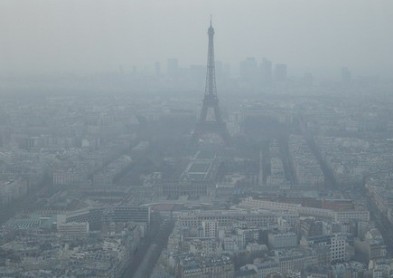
x,y
210,100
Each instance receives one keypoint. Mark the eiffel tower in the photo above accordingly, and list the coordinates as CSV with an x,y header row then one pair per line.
x,y
210,100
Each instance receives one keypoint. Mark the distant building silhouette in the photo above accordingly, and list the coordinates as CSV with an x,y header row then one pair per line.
x,y
266,71
172,68
157,68
346,75
249,72
308,79
280,73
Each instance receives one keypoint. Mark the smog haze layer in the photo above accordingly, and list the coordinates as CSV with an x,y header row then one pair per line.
x,y
46,36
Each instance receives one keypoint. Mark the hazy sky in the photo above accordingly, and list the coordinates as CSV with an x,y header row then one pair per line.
x,y
99,35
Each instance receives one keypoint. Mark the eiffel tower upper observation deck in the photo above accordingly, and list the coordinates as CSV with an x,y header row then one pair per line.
x,y
214,124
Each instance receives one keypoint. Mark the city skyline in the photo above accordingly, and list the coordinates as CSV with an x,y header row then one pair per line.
x,y
311,36
275,162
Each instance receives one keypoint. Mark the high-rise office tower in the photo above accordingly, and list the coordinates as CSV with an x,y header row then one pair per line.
x,y
172,68
249,70
346,75
267,71
280,73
